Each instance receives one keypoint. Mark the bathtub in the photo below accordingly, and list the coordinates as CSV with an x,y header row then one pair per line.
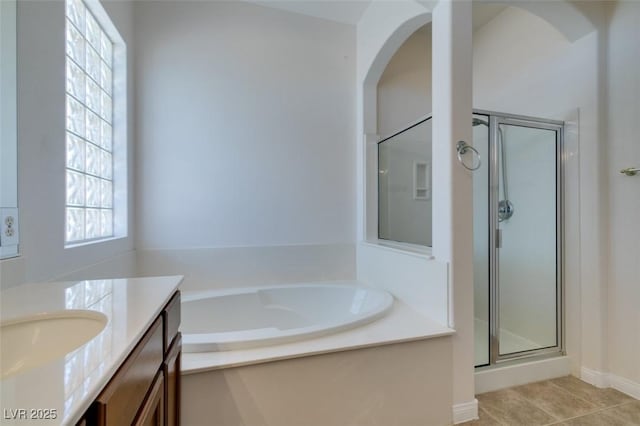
x,y
241,318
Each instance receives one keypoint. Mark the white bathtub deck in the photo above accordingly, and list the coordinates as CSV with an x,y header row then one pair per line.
x,y
401,324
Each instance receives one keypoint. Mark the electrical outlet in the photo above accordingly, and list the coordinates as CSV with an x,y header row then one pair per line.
x,y
9,235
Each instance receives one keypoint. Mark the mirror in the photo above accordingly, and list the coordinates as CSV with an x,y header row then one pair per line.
x,y
8,131
404,185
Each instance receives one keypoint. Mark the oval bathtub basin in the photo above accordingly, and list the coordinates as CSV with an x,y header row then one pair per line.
x,y
228,319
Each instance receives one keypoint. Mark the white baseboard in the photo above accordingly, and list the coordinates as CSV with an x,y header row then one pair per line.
x,y
465,412
609,380
594,377
625,386
500,377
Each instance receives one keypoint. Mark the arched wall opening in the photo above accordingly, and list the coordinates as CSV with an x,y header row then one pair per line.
x,y
370,82
410,16
385,30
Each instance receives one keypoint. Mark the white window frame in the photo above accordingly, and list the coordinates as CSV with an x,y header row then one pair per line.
x,y
119,126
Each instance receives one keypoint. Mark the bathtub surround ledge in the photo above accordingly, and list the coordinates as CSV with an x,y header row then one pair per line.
x,y
401,324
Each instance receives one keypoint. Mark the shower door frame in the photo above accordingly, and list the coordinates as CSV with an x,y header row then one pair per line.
x,y
495,119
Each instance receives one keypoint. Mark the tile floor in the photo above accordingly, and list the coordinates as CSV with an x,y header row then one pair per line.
x,y
565,401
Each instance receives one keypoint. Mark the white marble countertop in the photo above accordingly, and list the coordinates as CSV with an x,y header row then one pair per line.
x,y
400,324
69,384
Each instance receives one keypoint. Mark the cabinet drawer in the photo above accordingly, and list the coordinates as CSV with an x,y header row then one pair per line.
x,y
171,316
121,399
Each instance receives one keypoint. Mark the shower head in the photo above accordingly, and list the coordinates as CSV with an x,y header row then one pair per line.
x,y
479,122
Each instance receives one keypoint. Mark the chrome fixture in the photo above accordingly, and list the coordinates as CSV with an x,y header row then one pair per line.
x,y
462,148
630,171
505,210
505,206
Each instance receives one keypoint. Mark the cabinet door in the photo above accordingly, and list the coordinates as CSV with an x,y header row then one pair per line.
x,y
172,382
152,411
120,401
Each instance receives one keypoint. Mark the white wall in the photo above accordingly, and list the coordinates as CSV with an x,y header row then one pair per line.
x,y
246,160
246,123
417,280
41,151
250,266
624,192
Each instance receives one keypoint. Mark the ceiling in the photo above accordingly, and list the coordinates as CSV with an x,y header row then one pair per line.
x,y
350,11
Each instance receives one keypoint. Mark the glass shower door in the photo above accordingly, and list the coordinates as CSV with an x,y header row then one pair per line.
x,y
525,197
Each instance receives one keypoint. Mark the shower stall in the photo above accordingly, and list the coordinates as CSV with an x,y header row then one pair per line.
x,y
517,198
517,214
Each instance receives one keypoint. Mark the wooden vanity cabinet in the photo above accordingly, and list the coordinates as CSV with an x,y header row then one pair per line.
x,y
172,359
152,411
146,388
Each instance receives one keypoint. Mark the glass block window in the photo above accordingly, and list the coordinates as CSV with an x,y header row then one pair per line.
x,y
89,127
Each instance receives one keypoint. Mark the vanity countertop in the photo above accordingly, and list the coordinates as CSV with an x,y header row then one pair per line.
x,y
69,384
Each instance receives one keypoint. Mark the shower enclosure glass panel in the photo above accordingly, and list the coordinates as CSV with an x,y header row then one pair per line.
x,y
481,253
404,185
526,189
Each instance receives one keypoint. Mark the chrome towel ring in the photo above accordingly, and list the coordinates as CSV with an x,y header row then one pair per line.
x,y
462,148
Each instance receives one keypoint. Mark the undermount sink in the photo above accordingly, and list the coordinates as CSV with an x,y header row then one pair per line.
x,y
32,341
